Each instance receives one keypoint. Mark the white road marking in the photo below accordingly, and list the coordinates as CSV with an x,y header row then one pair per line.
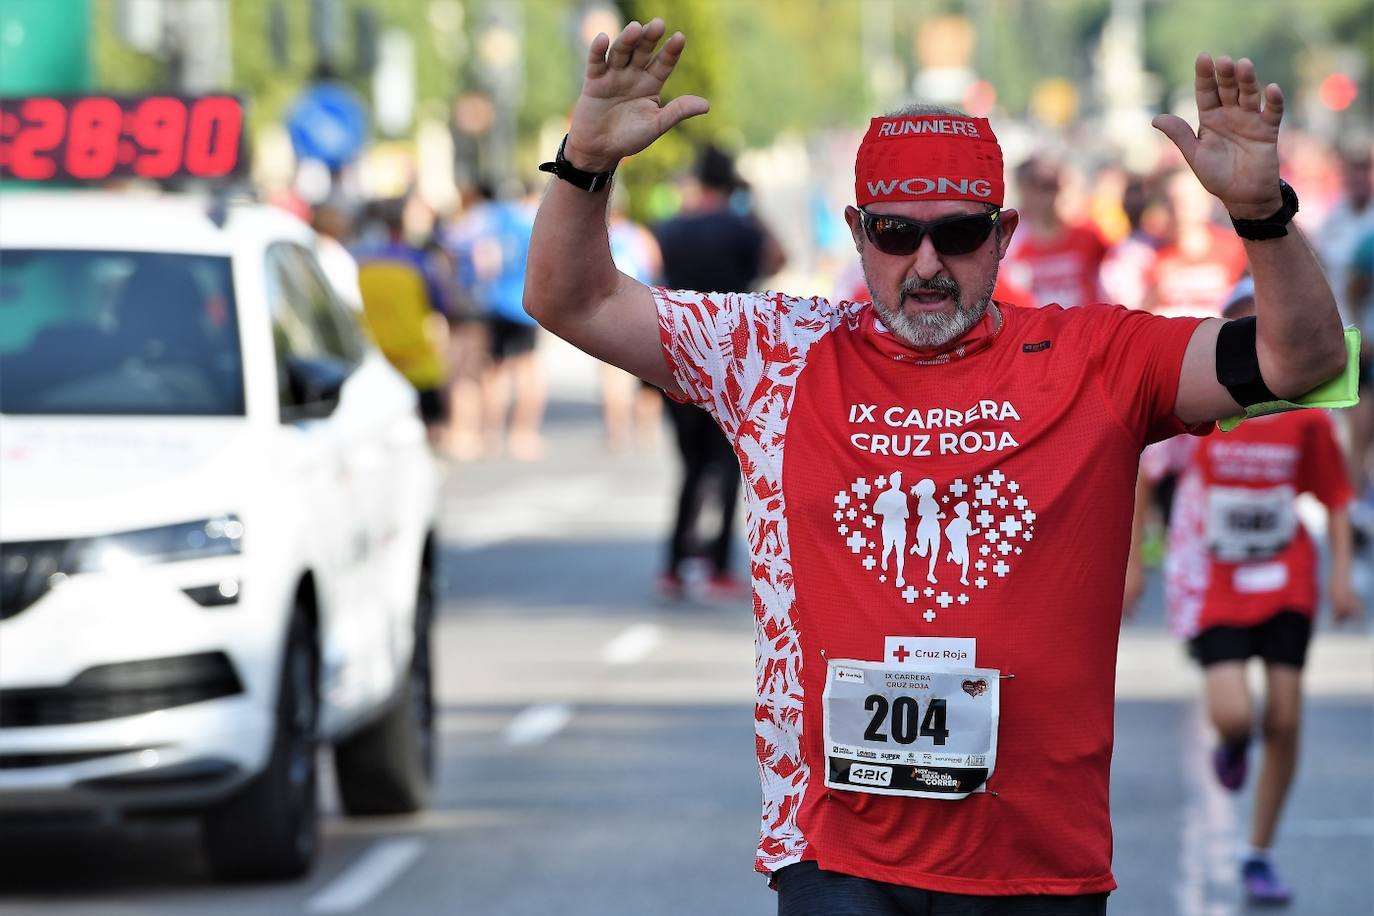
x,y
1207,864
481,530
368,877
538,723
632,645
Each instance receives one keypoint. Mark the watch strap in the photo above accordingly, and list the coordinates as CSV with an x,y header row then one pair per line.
x,y
560,167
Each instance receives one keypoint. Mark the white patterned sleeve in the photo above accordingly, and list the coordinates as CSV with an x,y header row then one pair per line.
x,y
722,347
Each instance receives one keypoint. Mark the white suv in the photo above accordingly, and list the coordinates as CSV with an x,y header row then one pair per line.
x,y
217,528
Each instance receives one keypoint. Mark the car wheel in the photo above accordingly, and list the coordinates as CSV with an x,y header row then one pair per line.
x,y
388,767
269,828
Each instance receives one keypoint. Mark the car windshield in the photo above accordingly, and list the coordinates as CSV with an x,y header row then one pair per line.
x,y
118,333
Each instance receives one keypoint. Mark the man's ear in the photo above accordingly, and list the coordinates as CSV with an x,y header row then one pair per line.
x,y
856,227
1007,225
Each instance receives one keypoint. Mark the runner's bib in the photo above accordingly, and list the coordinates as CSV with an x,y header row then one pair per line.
x,y
920,732
1249,524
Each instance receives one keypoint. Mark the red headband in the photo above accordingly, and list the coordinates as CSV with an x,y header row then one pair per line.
x,y
929,157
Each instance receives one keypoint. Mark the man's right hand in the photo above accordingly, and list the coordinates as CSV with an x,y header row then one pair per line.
x,y
619,112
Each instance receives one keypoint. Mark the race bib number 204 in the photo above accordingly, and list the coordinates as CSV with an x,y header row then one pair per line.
x,y
909,731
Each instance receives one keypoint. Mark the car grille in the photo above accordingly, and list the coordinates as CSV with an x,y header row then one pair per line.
x,y
26,571
124,689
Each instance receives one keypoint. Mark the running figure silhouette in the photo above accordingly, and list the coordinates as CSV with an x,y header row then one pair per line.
x,y
892,506
957,532
928,530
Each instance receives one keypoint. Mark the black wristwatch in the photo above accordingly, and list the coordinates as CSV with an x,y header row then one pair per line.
x,y
1273,226
562,168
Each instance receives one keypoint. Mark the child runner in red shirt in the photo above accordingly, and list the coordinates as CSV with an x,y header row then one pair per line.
x,y
1241,581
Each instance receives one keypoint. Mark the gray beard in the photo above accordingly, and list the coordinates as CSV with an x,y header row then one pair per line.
x,y
929,330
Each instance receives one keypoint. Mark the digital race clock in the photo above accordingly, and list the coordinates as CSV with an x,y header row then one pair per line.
x,y
93,137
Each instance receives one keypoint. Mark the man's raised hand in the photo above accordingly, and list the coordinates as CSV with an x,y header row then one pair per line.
x,y
1235,150
619,112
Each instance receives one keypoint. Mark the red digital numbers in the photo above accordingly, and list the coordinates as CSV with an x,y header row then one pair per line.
x,y
212,144
93,137
97,137
45,124
160,131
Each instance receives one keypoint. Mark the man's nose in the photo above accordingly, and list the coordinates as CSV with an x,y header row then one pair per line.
x,y
926,263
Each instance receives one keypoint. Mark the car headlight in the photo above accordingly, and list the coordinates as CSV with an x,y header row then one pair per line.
x,y
213,537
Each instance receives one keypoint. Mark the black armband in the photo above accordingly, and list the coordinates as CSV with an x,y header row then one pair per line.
x,y
1238,363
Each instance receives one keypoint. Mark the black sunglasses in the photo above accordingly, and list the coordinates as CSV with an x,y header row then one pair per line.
x,y
952,235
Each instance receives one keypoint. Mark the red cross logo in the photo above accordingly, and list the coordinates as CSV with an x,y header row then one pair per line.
x,y
901,654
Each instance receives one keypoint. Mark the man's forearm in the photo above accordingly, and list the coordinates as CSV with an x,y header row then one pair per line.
x,y
1300,339
569,271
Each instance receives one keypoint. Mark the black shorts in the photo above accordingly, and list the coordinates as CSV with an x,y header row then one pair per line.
x,y
805,890
510,338
1281,639
431,406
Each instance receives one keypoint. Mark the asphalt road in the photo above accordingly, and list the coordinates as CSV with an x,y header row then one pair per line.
x,y
597,752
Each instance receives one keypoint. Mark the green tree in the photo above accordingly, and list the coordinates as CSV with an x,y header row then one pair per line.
x,y
268,86
795,65
116,66
703,70
1278,36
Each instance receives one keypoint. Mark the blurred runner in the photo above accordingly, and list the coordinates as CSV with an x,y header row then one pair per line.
x,y
710,246
339,266
930,746
465,347
513,388
1241,581
1359,296
1105,208
1346,224
630,407
404,307
1056,261
1128,264
1195,270
1346,245
469,342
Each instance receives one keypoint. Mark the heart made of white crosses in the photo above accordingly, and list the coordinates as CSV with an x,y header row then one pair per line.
x,y
1001,516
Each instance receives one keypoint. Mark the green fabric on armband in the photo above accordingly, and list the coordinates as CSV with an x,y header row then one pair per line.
x,y
1341,391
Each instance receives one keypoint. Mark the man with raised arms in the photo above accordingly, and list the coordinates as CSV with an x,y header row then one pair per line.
x,y
897,781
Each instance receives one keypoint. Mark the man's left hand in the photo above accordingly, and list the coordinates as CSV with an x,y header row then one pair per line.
x,y
1235,150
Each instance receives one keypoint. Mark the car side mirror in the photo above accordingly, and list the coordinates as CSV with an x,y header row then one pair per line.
x,y
314,384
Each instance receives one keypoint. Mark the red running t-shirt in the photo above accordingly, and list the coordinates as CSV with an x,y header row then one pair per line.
x,y
1195,284
1238,553
1060,271
1018,465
